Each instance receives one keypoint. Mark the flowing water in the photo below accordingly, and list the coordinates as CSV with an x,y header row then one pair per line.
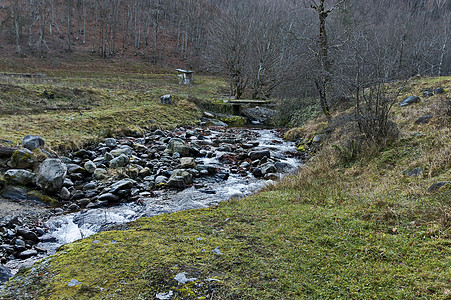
x,y
71,227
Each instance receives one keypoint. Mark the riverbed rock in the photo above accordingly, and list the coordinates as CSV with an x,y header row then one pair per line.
x,y
100,174
268,168
75,169
254,155
32,142
177,145
27,235
27,254
51,175
90,167
15,193
122,151
64,193
410,100
187,162
119,162
111,142
109,197
180,178
21,159
19,176
122,185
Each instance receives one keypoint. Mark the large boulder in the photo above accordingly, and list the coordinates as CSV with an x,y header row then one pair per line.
x,y
51,175
21,159
19,176
32,142
410,100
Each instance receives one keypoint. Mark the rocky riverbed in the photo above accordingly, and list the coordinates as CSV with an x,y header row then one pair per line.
x,y
48,199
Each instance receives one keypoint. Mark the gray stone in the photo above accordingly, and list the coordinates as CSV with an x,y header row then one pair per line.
x,y
424,119
19,176
122,185
416,172
122,151
166,99
14,193
271,176
119,162
73,207
67,182
21,159
257,172
410,100
100,174
187,162
20,244
254,155
111,198
110,142
438,185
185,175
283,166
64,193
176,182
161,179
89,186
90,167
51,175
215,122
27,234
182,279
5,274
178,145
164,296
108,156
439,90
27,254
73,282
268,168
32,142
75,169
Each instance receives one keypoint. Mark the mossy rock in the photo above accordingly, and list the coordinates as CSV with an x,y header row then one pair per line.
x,y
234,120
39,196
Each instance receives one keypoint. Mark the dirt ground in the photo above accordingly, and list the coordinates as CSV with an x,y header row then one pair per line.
x,y
27,211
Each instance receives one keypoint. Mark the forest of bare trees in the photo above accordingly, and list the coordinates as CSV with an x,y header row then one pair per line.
x,y
264,48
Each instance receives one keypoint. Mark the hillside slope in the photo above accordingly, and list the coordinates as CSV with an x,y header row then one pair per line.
x,y
357,228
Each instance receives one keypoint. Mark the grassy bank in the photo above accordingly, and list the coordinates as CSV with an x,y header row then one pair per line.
x,y
356,229
79,103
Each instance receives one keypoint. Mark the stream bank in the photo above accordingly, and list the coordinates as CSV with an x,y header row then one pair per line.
x,y
123,179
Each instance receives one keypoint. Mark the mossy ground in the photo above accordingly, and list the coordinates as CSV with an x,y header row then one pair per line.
x,y
360,230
